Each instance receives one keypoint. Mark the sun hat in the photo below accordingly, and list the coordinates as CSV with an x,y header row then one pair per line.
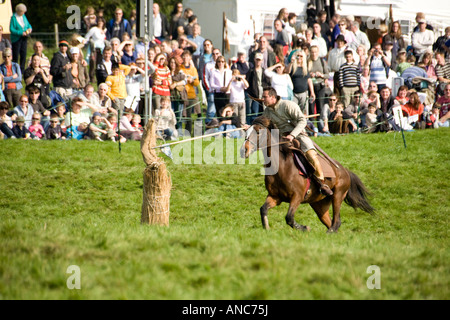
x,y
74,50
20,119
259,56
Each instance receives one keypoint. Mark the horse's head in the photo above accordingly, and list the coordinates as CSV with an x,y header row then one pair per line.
x,y
257,136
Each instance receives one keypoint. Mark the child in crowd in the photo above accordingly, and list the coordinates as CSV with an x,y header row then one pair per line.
x,y
136,123
54,131
229,121
237,87
402,64
371,117
36,128
112,118
20,131
101,129
78,132
166,119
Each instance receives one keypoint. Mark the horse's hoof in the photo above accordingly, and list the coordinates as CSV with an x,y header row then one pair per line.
x,y
331,231
304,228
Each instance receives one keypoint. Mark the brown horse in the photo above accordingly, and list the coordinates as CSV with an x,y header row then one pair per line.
x,y
285,184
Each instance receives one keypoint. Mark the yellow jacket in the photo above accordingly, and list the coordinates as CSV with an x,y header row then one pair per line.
x,y
191,72
116,84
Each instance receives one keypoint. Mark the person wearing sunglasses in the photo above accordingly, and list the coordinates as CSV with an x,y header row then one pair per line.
x,y
12,77
24,110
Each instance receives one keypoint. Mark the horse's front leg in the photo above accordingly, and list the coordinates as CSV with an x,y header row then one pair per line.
x,y
269,204
293,205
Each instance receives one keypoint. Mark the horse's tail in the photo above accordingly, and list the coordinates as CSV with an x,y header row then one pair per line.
x,y
357,196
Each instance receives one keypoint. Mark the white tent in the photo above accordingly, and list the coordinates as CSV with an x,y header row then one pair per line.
x,y
263,12
437,12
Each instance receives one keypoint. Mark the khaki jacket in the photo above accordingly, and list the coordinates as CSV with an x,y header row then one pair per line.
x,y
288,117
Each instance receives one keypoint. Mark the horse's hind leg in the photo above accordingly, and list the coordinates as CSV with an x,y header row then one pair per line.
x,y
322,209
338,198
293,205
269,204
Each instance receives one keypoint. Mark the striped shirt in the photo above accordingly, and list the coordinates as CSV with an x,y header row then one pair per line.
x,y
443,71
162,74
349,75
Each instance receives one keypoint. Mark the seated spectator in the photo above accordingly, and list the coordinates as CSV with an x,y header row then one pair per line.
x,y
24,110
12,77
20,131
103,99
402,96
402,63
54,131
100,129
338,124
6,123
78,132
371,118
36,128
80,112
351,111
412,108
35,102
166,120
426,63
37,77
136,123
442,72
328,108
444,101
229,120
411,73
60,111
126,129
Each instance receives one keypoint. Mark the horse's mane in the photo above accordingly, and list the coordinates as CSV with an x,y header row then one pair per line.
x,y
268,124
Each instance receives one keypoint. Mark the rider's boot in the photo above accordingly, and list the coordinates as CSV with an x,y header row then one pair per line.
x,y
312,157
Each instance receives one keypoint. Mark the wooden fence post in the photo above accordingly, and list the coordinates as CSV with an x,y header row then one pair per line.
x,y
157,182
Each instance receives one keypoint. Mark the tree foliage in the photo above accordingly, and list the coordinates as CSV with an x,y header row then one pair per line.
x,y
43,14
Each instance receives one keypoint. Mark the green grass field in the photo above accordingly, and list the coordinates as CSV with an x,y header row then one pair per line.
x,y
79,203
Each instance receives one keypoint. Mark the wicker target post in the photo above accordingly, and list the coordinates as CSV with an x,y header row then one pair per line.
x,y
157,182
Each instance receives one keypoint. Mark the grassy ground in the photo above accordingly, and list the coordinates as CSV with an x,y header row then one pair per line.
x,y
78,203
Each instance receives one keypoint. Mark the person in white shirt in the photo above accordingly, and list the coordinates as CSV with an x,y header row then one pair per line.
x,y
319,41
237,87
422,40
360,37
219,79
279,80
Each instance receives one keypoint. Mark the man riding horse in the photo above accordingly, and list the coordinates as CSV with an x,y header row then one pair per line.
x,y
289,118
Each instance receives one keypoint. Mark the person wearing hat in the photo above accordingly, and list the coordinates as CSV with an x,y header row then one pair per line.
x,y
336,59
20,131
422,40
257,80
20,30
79,70
60,69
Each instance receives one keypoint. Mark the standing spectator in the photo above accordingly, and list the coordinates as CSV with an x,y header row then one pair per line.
x,y
421,16
118,26
166,120
79,70
38,49
319,41
319,73
348,35
396,36
176,14
440,44
269,58
89,19
162,79
349,78
282,37
189,29
426,63
422,39
117,87
360,37
257,80
301,80
206,65
192,82
12,77
161,27
280,81
60,69
103,69
129,54
178,91
220,77
336,58
20,30
4,43
198,40
237,87
379,66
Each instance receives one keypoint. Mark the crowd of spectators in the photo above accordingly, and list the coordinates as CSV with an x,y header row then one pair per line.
x,y
93,85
